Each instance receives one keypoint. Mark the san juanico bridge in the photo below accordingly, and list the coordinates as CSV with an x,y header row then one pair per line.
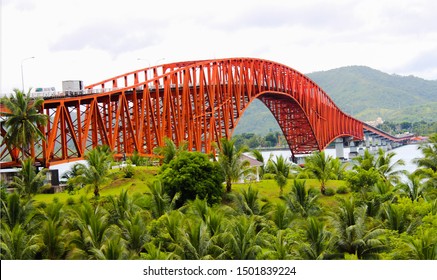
x,y
199,102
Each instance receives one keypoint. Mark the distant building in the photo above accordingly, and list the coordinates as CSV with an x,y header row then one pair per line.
x,y
253,164
376,122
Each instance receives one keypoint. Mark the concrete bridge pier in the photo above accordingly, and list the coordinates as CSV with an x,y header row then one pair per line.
x,y
339,148
389,145
362,148
354,148
384,145
376,143
367,140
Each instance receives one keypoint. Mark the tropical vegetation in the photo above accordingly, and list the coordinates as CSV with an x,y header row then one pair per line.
x,y
22,120
180,210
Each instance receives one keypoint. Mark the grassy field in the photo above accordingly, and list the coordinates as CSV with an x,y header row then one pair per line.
x,y
268,189
138,183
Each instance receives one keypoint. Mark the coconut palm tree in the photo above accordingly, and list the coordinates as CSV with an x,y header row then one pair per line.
x,y
281,168
28,182
95,172
248,201
134,232
281,215
160,201
318,240
243,242
154,252
197,243
413,187
367,161
300,200
19,212
280,248
172,231
54,235
397,218
339,169
113,249
428,163
170,150
429,151
123,206
353,235
321,166
230,161
71,173
389,171
91,228
17,244
424,247
22,120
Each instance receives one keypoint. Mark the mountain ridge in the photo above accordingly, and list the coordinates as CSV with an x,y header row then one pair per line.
x,y
363,92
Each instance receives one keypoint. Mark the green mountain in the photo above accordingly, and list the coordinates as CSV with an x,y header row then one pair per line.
x,y
367,93
363,92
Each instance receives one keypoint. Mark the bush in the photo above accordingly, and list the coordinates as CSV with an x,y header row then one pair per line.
x,y
342,190
329,192
192,175
70,201
128,170
268,176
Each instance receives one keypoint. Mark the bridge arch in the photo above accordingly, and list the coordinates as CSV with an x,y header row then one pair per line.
x,y
194,101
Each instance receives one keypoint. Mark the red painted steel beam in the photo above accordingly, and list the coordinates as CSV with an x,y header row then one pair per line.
x,y
195,101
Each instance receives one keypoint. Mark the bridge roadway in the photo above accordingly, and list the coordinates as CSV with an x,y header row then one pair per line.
x,y
198,102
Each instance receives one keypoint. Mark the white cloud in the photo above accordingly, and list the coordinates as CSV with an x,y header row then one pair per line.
x,y
93,40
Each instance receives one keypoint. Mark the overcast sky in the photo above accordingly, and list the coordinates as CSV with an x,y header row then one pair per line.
x,y
93,40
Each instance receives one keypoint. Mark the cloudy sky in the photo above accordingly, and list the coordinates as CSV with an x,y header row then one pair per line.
x,y
93,40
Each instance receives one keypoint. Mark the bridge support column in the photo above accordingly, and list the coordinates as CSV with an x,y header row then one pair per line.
x,y
384,145
367,140
354,149
339,148
361,148
389,145
376,143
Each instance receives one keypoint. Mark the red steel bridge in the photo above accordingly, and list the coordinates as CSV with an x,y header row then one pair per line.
x,y
194,101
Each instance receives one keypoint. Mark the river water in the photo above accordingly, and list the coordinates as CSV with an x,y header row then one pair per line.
x,y
407,153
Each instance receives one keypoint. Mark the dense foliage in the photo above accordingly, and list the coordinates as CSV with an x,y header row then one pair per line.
x,y
417,128
383,218
192,175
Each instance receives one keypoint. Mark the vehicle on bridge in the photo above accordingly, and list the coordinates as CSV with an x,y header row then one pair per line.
x,y
199,102
43,92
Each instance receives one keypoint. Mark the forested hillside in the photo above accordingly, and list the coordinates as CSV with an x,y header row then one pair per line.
x,y
363,92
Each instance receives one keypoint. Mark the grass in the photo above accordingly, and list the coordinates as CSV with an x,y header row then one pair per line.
x,y
268,189
138,183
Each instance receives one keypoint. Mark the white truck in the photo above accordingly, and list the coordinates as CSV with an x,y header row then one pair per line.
x,y
72,87
41,92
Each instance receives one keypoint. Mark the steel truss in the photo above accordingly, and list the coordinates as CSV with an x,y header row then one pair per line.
x,y
197,101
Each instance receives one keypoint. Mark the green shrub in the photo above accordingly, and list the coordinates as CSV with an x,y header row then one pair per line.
x,y
329,192
342,190
128,170
192,175
268,176
70,201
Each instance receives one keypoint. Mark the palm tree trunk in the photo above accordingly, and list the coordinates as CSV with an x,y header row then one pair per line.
x,y
96,191
322,188
228,186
